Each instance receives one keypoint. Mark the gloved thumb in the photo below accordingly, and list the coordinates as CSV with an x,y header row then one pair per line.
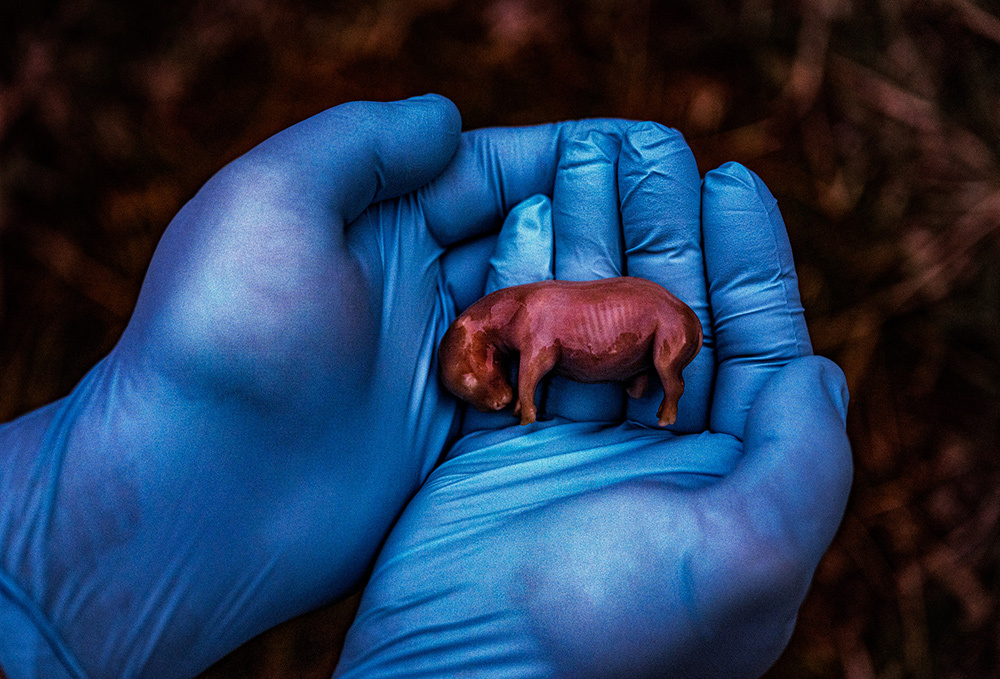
x,y
796,471
362,152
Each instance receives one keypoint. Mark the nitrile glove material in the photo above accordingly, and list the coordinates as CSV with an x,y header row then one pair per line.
x,y
591,543
243,451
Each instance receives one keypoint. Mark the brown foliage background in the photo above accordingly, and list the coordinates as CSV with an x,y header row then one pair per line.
x,y
876,123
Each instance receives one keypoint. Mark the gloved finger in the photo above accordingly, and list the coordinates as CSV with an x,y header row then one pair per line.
x,y
586,226
660,192
780,507
759,321
522,254
523,251
356,154
588,246
493,170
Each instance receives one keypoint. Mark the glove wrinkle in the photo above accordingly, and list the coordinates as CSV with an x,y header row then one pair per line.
x,y
29,646
30,642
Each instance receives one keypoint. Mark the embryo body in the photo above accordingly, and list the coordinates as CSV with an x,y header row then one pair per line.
x,y
614,329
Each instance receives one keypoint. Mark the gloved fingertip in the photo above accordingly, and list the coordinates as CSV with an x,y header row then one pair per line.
x,y
649,136
430,97
605,142
582,152
529,223
450,113
732,170
524,247
539,201
807,374
733,176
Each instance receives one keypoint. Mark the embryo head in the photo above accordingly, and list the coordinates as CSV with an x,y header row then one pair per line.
x,y
471,369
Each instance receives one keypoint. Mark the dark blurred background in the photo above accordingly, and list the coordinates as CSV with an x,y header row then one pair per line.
x,y
875,123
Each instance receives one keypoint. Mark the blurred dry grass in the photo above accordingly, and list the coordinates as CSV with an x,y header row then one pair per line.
x,y
876,124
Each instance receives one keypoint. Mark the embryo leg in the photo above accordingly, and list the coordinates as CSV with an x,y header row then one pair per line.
x,y
665,360
637,386
532,368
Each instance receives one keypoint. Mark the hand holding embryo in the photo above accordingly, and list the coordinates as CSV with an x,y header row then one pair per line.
x,y
593,544
243,451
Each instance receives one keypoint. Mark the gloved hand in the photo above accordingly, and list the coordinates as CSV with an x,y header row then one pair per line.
x,y
595,544
241,454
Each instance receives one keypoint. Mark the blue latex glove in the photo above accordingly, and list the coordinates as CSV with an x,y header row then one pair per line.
x,y
595,544
241,454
